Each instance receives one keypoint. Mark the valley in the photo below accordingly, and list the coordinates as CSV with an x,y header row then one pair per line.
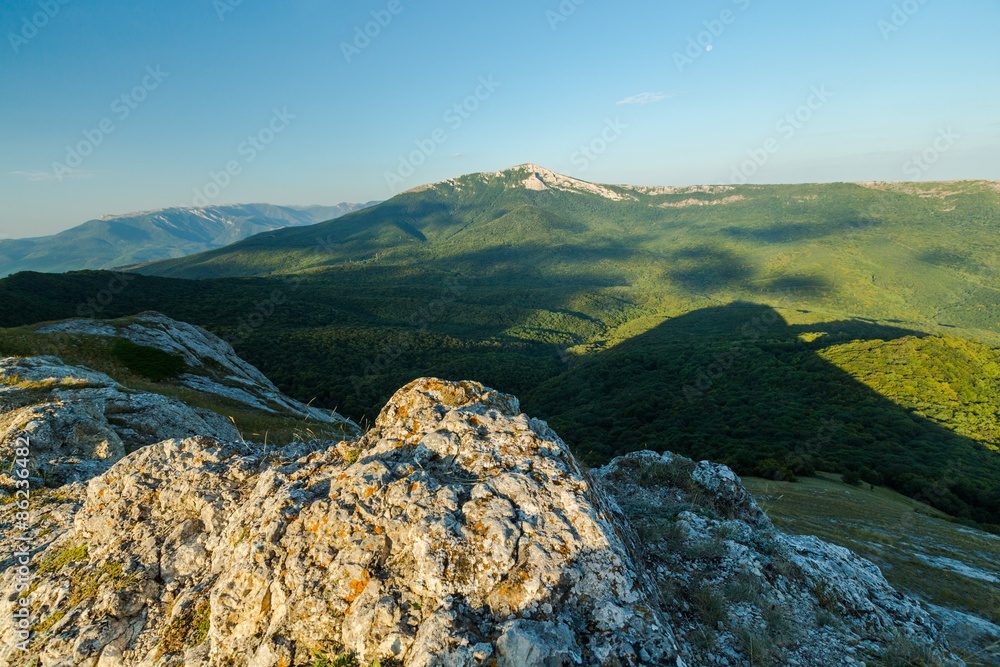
x,y
779,329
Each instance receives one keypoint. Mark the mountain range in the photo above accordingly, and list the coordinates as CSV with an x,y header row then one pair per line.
x,y
827,340
781,329
914,252
135,238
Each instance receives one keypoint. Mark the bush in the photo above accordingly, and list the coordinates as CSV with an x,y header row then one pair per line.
x,y
711,606
149,362
852,477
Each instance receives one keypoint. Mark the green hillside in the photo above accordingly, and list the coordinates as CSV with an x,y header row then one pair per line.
x,y
739,384
841,327
921,253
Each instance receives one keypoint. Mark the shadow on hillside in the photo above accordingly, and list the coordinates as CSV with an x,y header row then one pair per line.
x,y
739,384
784,232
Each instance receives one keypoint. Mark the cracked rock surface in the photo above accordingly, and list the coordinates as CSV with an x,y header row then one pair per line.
x,y
456,532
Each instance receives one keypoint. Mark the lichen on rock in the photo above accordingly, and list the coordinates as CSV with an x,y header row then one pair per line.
x,y
456,532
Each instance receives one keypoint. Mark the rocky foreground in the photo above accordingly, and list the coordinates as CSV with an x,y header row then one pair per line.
x,y
457,531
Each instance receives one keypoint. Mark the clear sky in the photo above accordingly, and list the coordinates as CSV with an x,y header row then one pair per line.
x,y
656,92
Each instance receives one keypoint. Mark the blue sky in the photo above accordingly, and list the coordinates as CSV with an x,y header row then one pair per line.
x,y
268,90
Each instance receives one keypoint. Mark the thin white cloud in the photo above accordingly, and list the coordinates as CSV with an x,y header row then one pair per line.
x,y
43,176
34,176
646,98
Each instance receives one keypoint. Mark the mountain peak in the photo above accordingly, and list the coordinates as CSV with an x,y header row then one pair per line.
x,y
538,178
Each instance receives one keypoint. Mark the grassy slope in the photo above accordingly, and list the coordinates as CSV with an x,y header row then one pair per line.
x,y
900,535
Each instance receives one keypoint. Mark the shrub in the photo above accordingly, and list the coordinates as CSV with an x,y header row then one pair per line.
x,y
744,587
756,646
148,362
852,477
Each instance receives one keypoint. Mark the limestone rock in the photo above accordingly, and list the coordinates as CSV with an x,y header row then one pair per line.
x,y
81,422
456,532
216,368
734,587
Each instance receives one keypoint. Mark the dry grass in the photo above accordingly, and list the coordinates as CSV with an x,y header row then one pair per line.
x,y
895,532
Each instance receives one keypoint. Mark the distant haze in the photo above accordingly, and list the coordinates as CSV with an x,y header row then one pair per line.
x,y
116,107
136,238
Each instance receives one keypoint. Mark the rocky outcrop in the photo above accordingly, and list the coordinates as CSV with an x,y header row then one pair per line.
x,y
214,366
740,592
457,531
82,421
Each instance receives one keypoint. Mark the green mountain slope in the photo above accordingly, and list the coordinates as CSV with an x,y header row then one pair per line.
x,y
741,385
600,305
923,253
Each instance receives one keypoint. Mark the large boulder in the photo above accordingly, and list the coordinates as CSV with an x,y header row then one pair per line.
x,y
456,532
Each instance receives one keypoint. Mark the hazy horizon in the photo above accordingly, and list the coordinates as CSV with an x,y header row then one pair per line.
x,y
123,109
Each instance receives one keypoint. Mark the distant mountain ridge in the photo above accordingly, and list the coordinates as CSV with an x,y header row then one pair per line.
x,y
147,236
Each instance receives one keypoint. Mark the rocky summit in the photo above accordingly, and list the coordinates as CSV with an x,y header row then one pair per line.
x,y
457,531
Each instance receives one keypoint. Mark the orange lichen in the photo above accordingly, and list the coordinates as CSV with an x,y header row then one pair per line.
x,y
358,586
